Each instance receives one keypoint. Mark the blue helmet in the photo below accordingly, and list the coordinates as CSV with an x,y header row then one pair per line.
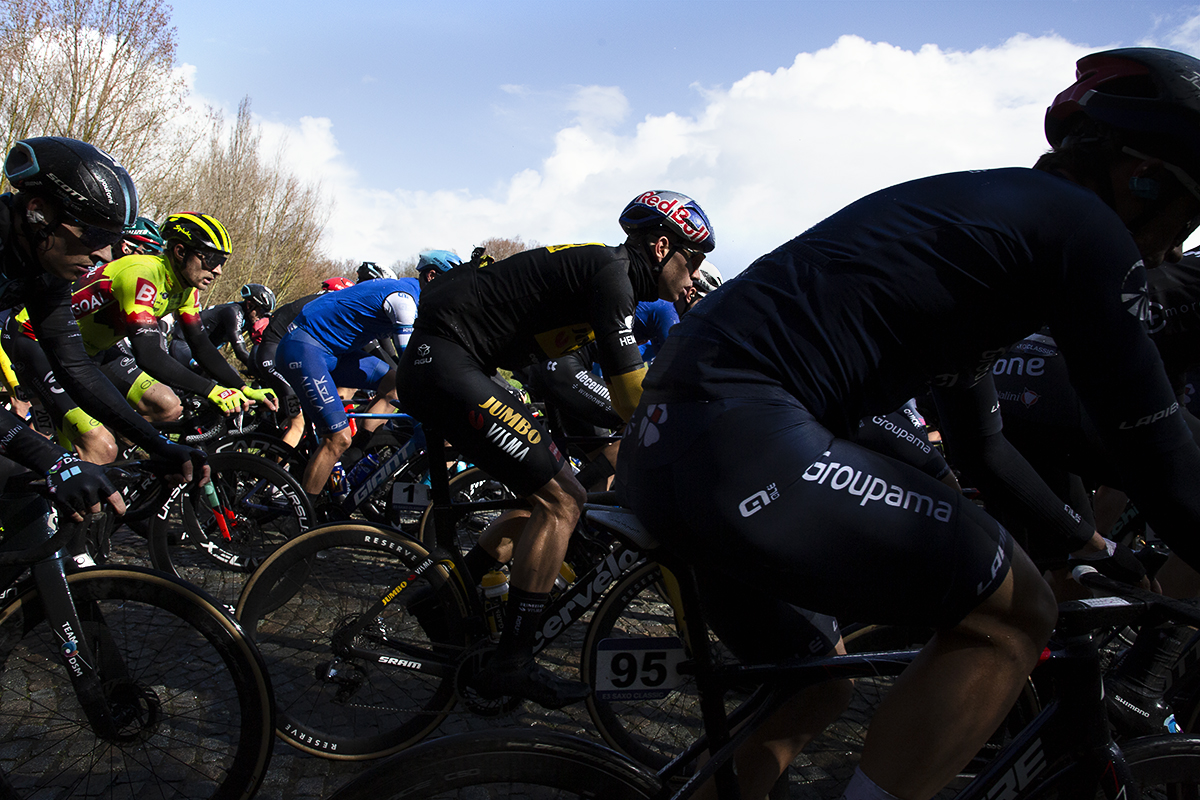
x,y
671,212
440,260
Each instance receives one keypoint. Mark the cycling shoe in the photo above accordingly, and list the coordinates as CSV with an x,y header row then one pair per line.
x,y
529,681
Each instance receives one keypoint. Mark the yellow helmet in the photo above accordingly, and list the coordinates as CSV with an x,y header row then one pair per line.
x,y
197,231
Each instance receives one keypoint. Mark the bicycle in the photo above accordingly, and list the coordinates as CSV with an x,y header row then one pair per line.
x,y
358,672
1066,749
119,681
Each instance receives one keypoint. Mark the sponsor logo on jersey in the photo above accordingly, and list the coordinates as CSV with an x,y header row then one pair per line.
x,y
758,501
648,431
998,562
903,434
1150,419
870,488
88,299
1135,295
513,419
145,292
1016,365
423,350
475,418
1029,397
508,442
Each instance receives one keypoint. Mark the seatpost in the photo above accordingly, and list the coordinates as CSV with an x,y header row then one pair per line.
x,y
439,489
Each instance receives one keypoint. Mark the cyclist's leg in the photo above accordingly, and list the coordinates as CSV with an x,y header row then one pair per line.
x,y
264,356
826,524
452,392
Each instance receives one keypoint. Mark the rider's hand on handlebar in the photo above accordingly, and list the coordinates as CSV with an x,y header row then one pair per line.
x,y
265,396
190,462
1114,560
230,401
81,486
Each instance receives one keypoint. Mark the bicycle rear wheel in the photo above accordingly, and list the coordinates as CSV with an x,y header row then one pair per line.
x,y
516,764
191,688
262,507
349,706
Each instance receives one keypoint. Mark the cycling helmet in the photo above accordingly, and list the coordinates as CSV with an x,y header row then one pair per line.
x,y
1151,96
84,180
670,211
258,295
369,271
440,260
144,233
707,278
197,232
336,284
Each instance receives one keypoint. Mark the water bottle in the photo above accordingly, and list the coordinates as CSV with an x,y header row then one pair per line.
x,y
564,578
495,591
339,489
359,472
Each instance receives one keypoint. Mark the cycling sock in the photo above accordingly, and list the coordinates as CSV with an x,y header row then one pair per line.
x,y
480,561
522,613
863,788
595,471
315,499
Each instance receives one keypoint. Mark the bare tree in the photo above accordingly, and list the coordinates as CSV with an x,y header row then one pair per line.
x,y
97,70
499,247
274,219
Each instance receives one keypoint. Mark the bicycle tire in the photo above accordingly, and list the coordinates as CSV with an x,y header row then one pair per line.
x,y
210,735
302,594
267,445
1165,767
265,507
470,485
650,732
525,764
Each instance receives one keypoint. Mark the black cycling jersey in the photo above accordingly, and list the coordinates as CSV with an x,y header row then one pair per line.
x,y
264,354
543,303
224,324
48,300
281,320
926,282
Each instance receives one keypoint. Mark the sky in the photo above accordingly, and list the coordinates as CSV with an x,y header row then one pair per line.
x,y
438,125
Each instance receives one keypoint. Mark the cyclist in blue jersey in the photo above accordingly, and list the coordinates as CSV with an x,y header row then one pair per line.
x,y
325,350
760,388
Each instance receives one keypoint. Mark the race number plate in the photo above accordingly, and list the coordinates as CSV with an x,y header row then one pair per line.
x,y
410,496
638,669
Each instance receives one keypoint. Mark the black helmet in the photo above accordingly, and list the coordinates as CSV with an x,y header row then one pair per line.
x,y
1150,96
259,295
369,271
86,181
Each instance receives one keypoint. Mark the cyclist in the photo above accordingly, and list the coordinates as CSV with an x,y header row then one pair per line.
x,y
335,284
930,281
370,271
432,263
127,298
324,350
531,306
226,323
72,202
142,237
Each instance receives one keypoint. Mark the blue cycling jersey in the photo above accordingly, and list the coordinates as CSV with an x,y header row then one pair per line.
x,y
651,322
349,319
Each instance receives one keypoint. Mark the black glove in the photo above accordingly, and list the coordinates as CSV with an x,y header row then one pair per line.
x,y
1121,564
174,455
78,485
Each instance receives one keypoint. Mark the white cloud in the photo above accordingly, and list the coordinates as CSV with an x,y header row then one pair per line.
x,y
766,157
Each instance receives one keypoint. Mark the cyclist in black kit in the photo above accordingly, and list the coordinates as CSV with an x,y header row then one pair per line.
x,y
72,203
760,387
531,306
225,324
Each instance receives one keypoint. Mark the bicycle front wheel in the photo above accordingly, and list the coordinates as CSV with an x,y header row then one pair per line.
x,y
189,689
352,683
261,506
516,764
1165,767
472,485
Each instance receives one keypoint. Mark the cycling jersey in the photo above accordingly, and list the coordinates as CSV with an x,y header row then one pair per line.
x,y
48,303
534,306
351,318
127,298
651,324
925,282
264,355
225,324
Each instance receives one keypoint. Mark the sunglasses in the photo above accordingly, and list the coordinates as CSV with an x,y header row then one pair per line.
x,y
210,259
694,255
92,237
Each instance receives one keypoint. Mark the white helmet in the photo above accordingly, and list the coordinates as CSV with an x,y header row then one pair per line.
x,y
707,279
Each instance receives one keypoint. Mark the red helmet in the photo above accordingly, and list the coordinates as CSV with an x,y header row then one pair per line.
x,y
1151,96
336,284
